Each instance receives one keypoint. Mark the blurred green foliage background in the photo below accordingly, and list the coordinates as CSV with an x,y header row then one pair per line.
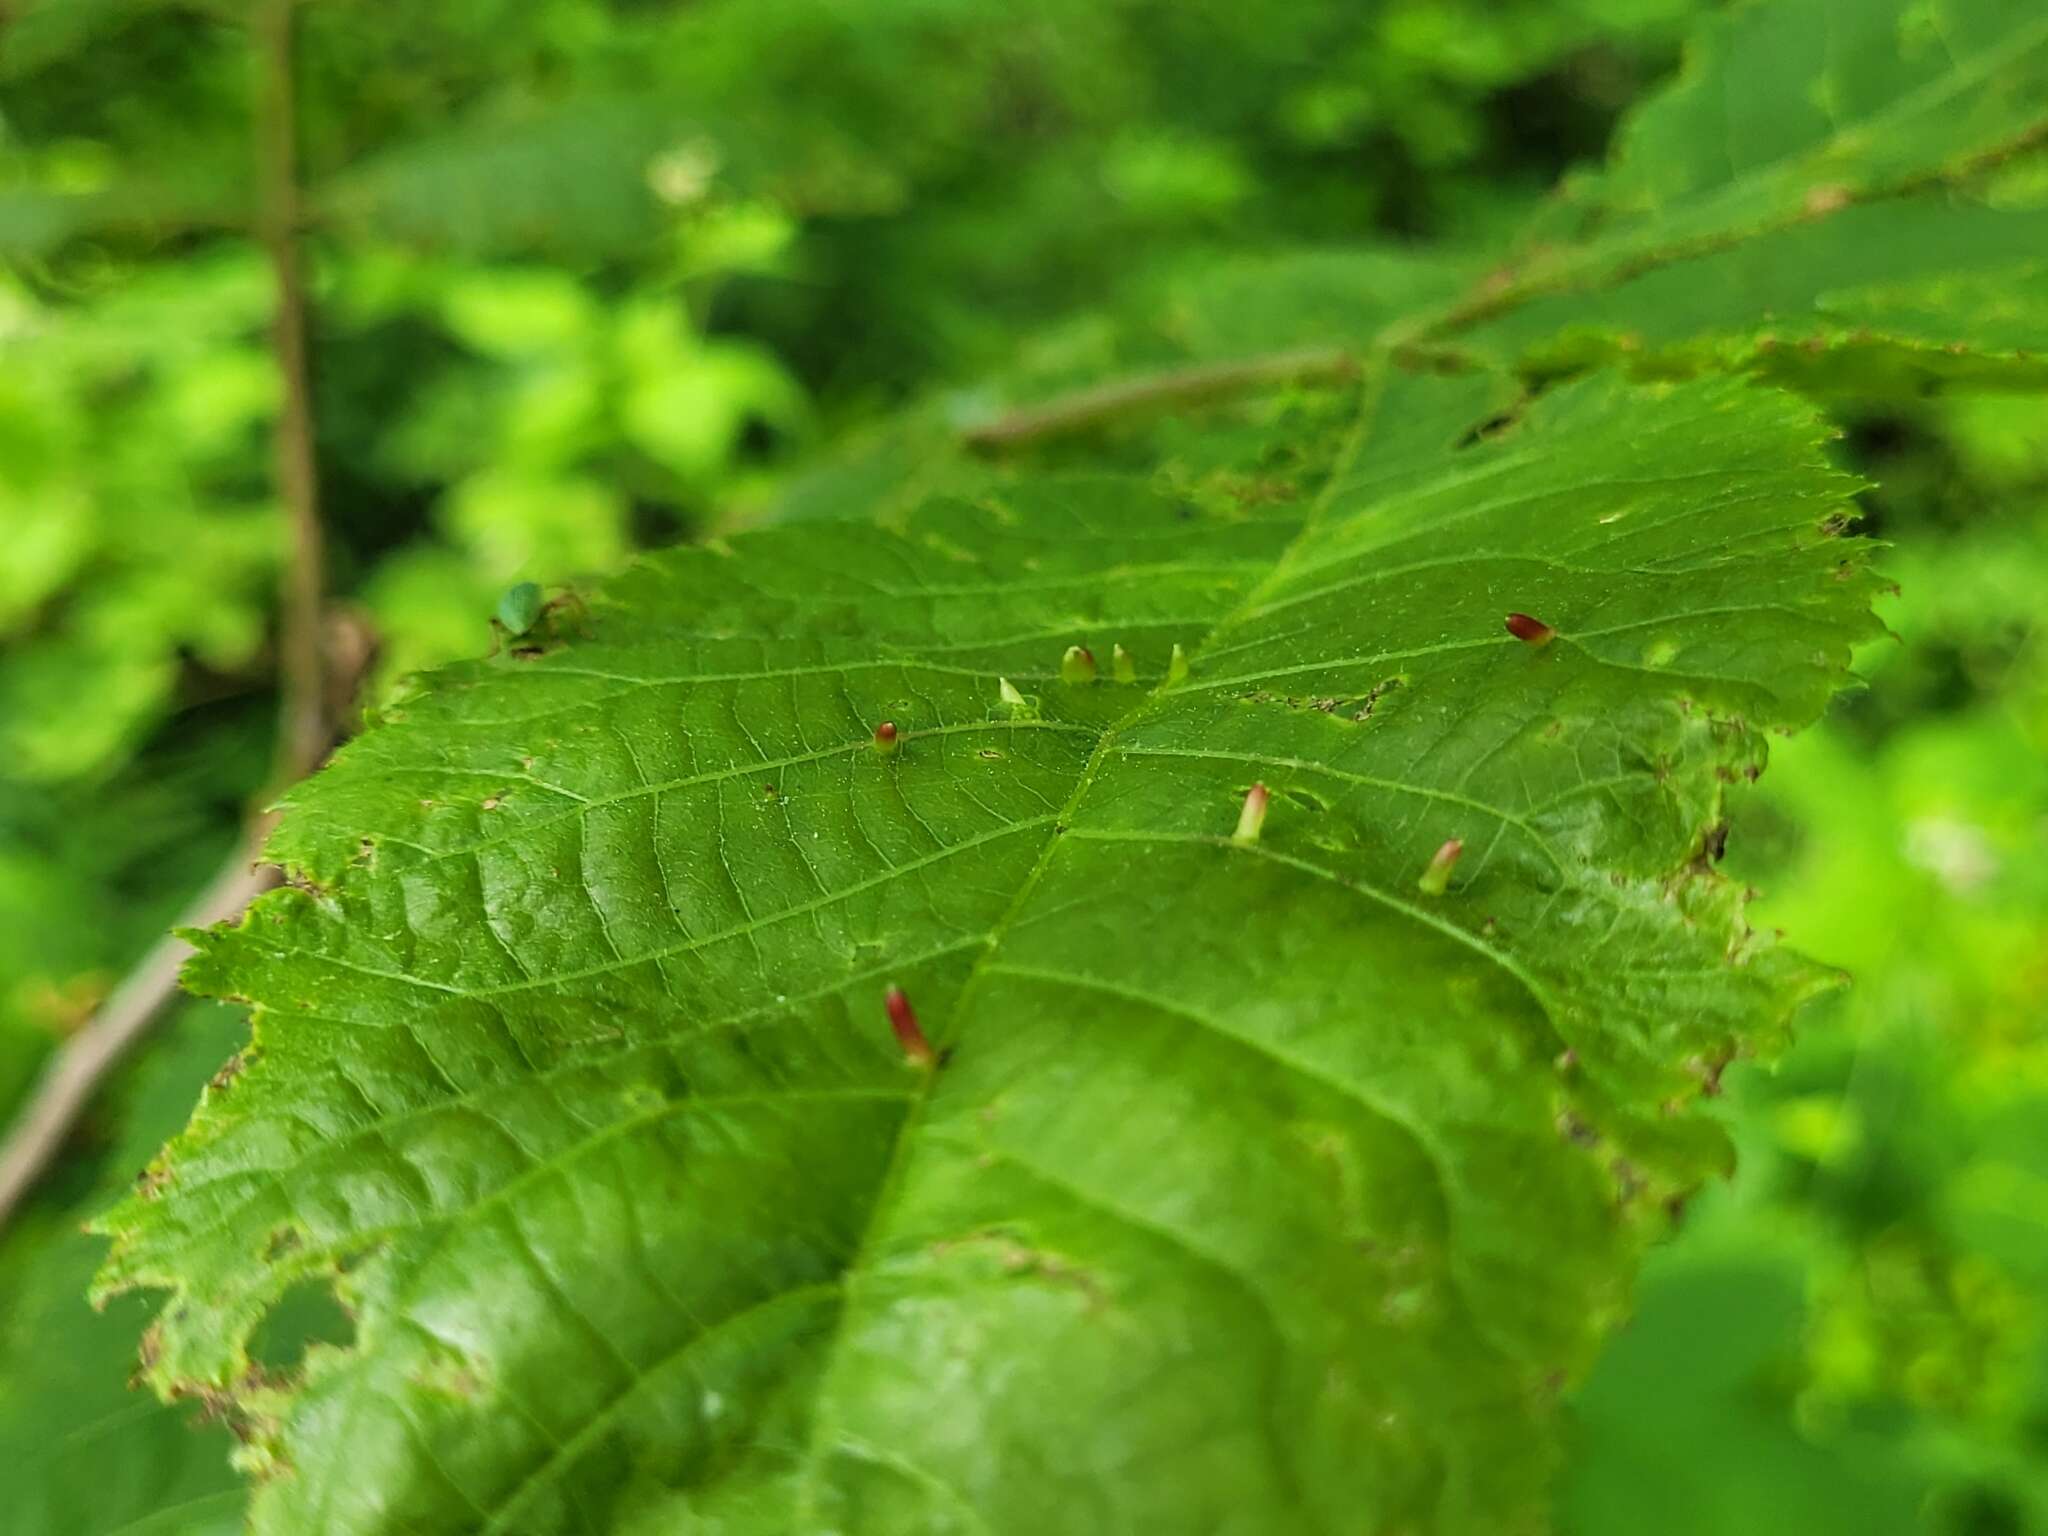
x,y
591,277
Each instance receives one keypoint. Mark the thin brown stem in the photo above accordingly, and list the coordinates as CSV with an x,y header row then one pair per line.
x,y
302,719
82,1063
305,713
1158,391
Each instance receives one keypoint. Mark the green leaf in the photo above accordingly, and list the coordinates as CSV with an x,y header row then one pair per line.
x,y
1936,285
1253,1187
1789,109
130,433
84,1456
1819,182
571,177
1724,1319
35,223
1313,1018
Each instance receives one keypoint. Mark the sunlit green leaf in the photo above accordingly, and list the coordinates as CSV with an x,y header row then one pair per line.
x,y
571,1073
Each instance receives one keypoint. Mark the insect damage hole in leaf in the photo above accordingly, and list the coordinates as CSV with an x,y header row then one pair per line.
x,y
307,1316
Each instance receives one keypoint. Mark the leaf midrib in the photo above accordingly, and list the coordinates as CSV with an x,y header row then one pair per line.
x,y
1373,377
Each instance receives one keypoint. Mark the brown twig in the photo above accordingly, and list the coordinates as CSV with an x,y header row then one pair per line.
x,y
302,719
1177,386
305,712
82,1063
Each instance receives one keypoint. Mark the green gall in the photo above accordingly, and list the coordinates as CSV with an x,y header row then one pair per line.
x,y
1436,879
1252,818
